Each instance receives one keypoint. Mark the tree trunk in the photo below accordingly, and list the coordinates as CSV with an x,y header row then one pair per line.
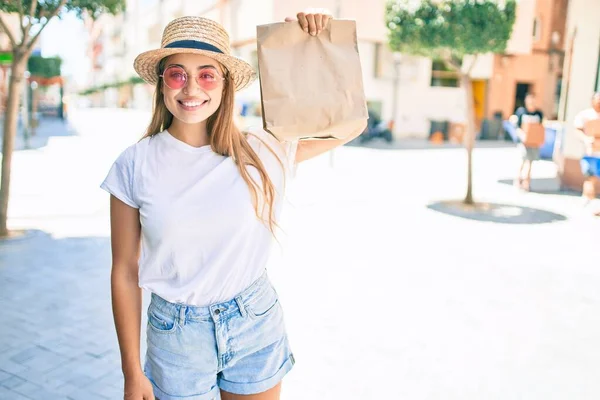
x,y
466,83
15,86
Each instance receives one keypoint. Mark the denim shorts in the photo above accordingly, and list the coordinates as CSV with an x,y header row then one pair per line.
x,y
240,346
589,166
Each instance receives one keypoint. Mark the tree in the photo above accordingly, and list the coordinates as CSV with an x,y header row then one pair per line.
x,y
44,67
449,30
34,16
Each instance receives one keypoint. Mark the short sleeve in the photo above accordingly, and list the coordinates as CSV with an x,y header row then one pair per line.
x,y
119,181
579,121
285,151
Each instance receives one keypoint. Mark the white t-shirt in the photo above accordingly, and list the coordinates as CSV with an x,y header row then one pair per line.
x,y
202,242
581,119
584,116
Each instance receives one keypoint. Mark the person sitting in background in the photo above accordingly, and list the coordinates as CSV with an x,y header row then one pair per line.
x,y
588,138
529,114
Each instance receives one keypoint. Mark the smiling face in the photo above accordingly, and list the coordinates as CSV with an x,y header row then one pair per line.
x,y
196,98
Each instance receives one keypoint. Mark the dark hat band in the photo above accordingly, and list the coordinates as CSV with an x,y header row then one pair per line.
x,y
193,44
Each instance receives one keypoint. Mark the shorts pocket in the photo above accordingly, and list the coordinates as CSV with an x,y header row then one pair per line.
x,y
160,322
264,304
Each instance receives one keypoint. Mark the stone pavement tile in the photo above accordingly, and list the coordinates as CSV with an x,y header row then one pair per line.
x,y
94,367
67,389
38,392
27,389
64,373
43,379
7,394
13,382
47,395
46,362
4,346
4,376
39,359
114,379
84,394
27,354
81,380
11,366
107,391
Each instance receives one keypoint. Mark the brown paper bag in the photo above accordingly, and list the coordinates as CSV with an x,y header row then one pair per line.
x,y
311,86
535,134
592,128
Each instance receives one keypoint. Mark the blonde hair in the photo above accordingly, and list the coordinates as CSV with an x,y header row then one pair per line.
x,y
225,139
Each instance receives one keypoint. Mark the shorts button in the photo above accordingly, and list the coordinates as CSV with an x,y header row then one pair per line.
x,y
217,311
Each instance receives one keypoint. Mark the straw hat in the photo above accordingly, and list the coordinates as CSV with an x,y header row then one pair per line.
x,y
195,35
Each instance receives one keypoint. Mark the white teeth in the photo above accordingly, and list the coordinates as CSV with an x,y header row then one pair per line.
x,y
192,103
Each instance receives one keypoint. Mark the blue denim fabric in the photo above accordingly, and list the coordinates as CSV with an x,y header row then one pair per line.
x,y
590,166
239,346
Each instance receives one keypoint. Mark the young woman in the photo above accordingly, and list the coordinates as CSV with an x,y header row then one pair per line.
x,y
194,208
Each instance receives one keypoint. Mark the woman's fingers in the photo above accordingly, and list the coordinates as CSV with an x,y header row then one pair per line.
x,y
312,25
303,21
319,22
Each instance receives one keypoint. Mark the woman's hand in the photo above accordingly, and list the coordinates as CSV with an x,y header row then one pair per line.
x,y
312,22
138,388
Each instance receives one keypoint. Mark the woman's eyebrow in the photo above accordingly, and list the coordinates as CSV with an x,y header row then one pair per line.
x,y
200,67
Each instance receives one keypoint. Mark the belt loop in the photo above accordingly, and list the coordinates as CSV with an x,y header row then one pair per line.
x,y
240,304
182,315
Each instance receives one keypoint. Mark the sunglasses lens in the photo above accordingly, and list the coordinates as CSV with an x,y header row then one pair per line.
x,y
208,79
175,77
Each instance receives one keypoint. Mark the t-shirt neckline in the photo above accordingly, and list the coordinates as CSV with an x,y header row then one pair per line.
x,y
183,145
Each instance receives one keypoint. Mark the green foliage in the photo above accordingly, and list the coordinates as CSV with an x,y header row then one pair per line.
x,y
134,80
44,67
44,8
449,28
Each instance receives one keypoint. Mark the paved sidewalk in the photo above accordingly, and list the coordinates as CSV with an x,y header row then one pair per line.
x,y
385,296
55,325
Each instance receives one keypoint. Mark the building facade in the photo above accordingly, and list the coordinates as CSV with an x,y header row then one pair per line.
x,y
580,81
415,92
533,62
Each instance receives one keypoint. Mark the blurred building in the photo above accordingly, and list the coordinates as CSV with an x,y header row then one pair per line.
x,y
419,94
580,81
532,62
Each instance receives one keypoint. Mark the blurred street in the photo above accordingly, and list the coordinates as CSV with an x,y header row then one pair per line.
x,y
386,295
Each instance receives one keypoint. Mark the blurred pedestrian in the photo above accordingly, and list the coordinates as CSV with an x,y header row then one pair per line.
x,y
527,115
587,127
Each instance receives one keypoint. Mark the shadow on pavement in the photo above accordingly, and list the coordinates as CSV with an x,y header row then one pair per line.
x,y
497,213
48,127
56,326
545,186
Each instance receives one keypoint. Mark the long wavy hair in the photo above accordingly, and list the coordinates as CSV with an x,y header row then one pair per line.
x,y
225,139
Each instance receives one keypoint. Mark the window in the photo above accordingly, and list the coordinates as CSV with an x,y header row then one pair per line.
x,y
537,29
443,76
